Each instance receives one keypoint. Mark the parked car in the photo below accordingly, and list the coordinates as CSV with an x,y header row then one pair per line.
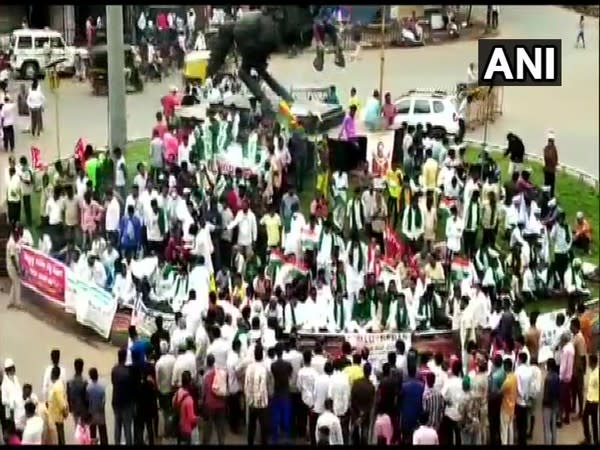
x,y
435,107
32,49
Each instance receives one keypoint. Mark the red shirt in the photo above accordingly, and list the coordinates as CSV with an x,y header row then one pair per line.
x,y
212,402
169,102
161,21
161,127
233,201
184,401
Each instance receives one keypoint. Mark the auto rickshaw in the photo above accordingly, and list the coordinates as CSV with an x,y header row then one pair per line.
x,y
195,65
98,72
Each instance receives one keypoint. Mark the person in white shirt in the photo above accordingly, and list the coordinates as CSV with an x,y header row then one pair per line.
x,y
34,426
219,348
164,376
35,103
332,422
179,335
123,290
13,196
11,391
305,383
112,217
472,76
318,360
120,174
524,380
452,391
321,392
8,118
245,220
295,358
46,381
185,361
234,389
339,391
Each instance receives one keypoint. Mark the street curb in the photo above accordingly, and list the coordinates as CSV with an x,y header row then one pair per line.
x,y
583,176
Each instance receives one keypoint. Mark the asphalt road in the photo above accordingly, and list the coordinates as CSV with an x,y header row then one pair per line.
x,y
571,110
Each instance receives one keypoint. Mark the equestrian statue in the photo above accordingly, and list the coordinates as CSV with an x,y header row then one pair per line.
x,y
258,34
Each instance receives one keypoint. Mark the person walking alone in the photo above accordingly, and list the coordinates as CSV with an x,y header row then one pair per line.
x,y
550,163
8,117
580,36
35,103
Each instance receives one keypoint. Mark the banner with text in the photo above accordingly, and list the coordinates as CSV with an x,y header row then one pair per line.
x,y
94,307
42,274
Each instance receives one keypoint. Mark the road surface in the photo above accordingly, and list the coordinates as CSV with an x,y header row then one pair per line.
x,y
571,110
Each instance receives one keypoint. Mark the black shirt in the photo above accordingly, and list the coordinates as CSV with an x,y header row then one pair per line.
x,y
124,385
515,150
282,372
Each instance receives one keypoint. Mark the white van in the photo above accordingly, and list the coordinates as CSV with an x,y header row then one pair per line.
x,y
31,50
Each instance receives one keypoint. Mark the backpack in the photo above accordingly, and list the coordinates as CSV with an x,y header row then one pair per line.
x,y
173,422
219,384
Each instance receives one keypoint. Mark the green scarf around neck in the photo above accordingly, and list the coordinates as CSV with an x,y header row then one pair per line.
x,y
418,217
470,217
360,262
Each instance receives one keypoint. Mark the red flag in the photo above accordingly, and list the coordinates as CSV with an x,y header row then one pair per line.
x,y
393,246
36,159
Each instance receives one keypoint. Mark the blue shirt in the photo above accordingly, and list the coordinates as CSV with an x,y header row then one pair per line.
x,y
411,403
130,230
96,398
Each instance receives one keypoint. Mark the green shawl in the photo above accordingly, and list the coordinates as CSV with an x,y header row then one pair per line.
x,y
338,313
385,309
401,313
361,261
470,226
418,217
361,311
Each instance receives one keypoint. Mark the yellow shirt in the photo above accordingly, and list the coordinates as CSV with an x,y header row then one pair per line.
x,y
354,372
509,394
354,101
430,170
273,225
393,179
57,403
593,387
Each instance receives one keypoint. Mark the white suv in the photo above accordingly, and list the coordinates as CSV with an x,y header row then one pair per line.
x,y
31,50
435,107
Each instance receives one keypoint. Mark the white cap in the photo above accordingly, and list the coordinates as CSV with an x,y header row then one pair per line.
x,y
551,134
8,363
546,188
186,191
552,202
173,88
579,215
516,199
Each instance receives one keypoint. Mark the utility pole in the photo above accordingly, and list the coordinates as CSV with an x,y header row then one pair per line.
x,y
117,104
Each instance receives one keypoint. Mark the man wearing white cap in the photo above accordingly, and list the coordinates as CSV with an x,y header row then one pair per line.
x,y
550,162
573,280
12,394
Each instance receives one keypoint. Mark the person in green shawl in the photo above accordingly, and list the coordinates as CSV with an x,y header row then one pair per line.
x,y
355,212
252,267
413,223
356,252
400,317
429,309
472,215
382,304
342,311
363,315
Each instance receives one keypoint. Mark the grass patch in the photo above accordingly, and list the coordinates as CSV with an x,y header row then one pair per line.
x,y
572,194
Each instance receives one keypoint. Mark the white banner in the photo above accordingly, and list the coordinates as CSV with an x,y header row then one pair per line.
x,y
379,344
144,319
94,307
380,148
